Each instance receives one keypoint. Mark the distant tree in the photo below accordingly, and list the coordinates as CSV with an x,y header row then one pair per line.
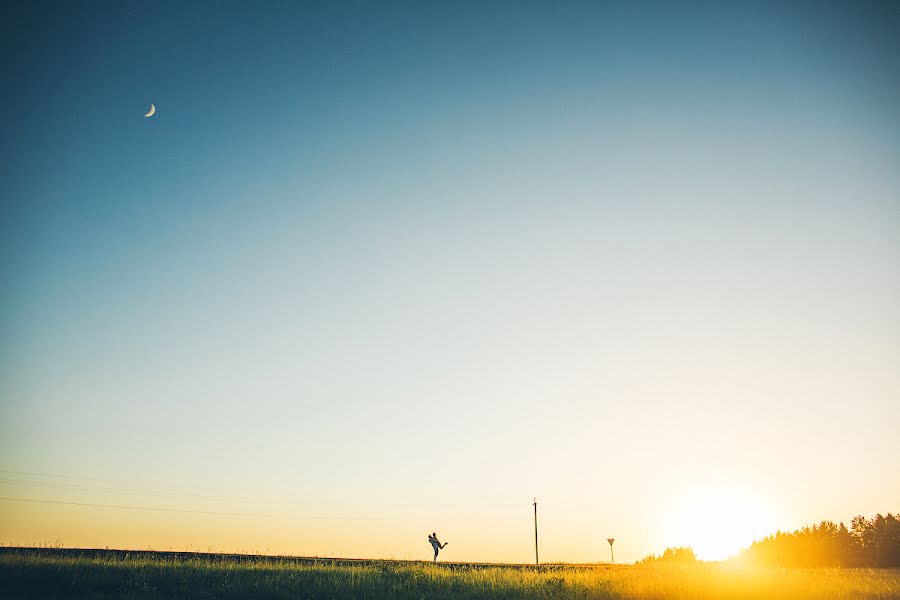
x,y
879,539
681,555
868,543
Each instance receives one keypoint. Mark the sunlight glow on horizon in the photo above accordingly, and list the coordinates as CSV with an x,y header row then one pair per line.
x,y
718,520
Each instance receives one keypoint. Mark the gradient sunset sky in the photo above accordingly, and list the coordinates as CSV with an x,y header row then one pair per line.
x,y
375,270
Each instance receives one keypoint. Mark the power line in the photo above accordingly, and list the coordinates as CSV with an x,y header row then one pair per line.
x,y
124,507
75,478
134,487
112,490
56,475
192,511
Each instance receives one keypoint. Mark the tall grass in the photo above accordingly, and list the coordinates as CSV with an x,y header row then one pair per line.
x,y
32,574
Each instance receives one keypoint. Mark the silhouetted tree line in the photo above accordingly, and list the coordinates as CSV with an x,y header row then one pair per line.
x,y
871,542
671,555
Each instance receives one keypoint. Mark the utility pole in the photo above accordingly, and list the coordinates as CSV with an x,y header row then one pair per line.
x,y
536,561
611,555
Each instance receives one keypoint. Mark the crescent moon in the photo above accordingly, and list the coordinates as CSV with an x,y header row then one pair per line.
x,y
152,111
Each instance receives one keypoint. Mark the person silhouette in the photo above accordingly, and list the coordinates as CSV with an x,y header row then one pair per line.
x,y
436,544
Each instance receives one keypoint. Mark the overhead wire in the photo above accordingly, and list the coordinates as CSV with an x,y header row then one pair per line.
x,y
124,490
192,511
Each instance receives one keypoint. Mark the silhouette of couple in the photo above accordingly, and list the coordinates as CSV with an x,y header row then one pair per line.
x,y
436,544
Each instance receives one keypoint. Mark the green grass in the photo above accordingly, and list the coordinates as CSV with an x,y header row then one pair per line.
x,y
55,574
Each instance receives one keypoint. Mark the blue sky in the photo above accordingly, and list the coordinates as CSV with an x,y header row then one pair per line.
x,y
365,253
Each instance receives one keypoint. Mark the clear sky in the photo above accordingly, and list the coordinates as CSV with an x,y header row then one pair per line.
x,y
376,270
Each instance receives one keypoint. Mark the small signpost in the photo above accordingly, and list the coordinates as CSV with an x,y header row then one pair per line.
x,y
612,556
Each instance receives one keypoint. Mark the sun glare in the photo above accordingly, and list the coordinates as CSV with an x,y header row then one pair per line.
x,y
717,521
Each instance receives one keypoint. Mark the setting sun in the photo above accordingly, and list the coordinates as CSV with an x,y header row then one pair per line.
x,y
717,521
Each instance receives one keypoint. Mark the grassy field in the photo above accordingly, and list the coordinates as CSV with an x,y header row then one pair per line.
x,y
52,573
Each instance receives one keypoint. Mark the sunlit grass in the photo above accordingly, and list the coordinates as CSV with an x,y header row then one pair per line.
x,y
30,574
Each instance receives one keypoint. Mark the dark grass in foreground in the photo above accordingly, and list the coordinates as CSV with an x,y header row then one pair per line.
x,y
37,573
